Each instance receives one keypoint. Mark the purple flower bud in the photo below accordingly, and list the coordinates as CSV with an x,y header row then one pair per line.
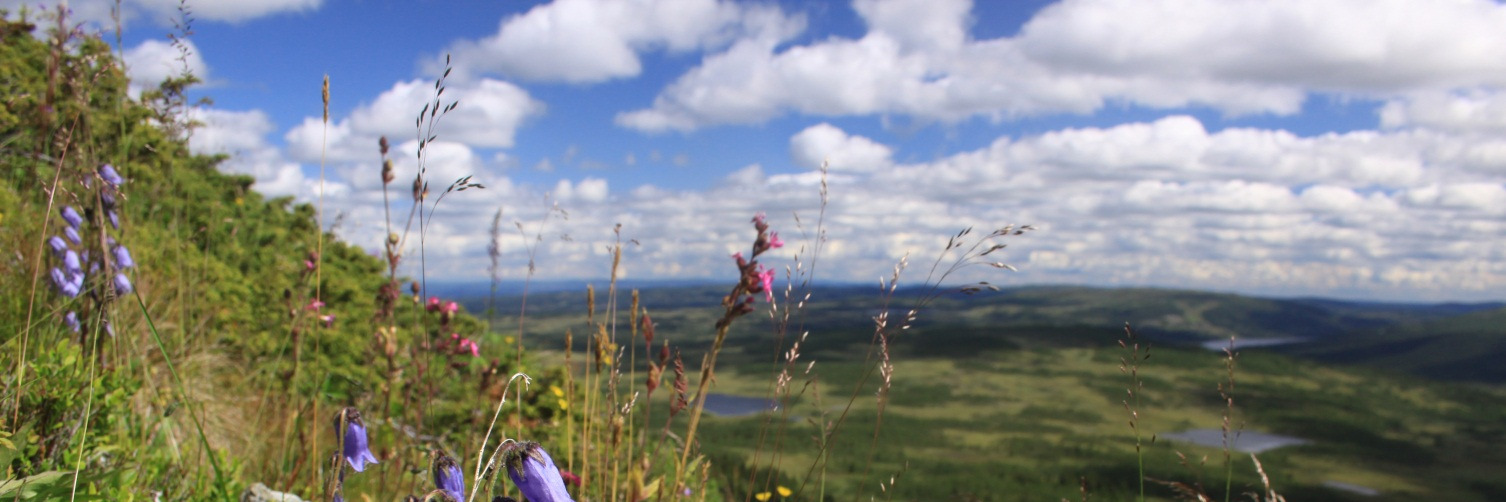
x,y
71,321
108,199
114,220
123,257
107,172
447,476
122,284
71,264
72,234
69,284
534,473
57,245
72,217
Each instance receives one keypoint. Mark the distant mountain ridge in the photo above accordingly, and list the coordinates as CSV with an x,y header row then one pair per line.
x,y
1453,341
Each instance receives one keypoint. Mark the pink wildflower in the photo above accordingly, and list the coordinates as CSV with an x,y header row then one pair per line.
x,y
329,320
315,305
467,343
433,304
774,242
766,277
451,307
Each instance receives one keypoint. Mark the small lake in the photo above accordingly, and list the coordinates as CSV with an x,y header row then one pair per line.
x,y
1249,343
1247,441
1352,488
726,405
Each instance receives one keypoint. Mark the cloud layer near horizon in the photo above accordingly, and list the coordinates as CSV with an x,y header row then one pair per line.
x,y
1410,208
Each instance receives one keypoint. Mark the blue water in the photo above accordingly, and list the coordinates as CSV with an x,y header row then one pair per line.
x,y
1247,441
735,406
1248,343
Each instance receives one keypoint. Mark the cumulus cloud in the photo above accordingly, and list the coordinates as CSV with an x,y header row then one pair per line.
x,y
589,190
1078,56
825,143
1390,214
1472,111
585,41
154,61
242,137
490,115
1165,202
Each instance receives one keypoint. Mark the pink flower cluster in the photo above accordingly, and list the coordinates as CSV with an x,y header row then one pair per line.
x,y
755,278
447,311
465,344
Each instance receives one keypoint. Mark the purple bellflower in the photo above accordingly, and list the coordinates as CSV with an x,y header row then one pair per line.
x,y
447,476
68,283
123,257
57,245
123,284
534,473
107,173
72,217
357,450
72,234
71,321
71,263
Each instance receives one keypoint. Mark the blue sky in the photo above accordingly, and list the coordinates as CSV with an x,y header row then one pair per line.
x,y
1349,148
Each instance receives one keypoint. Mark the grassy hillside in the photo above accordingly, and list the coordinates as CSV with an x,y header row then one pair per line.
x,y
1466,347
218,362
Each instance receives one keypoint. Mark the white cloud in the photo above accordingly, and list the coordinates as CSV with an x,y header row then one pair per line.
x,y
842,152
1363,214
153,61
587,41
1078,56
589,190
229,132
489,116
1371,214
1342,45
241,135
1478,110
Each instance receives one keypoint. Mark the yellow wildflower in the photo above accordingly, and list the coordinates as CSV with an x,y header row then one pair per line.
x,y
763,496
784,492
555,389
